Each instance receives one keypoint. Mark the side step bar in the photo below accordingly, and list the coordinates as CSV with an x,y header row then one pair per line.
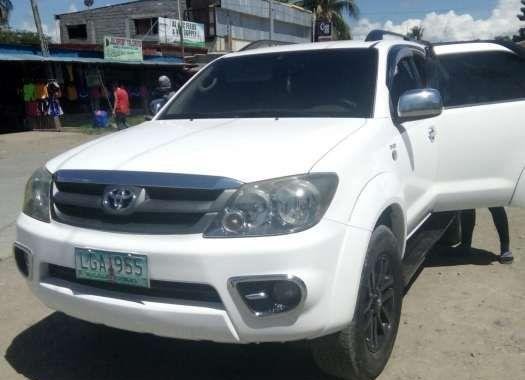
x,y
420,243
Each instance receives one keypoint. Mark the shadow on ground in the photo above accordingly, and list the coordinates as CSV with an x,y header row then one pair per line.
x,y
442,256
452,256
63,348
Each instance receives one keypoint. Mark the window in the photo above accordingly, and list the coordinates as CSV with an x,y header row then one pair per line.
x,y
409,75
481,77
324,83
77,32
149,26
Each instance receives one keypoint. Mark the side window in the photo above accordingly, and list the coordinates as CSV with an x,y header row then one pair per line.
x,y
483,77
408,76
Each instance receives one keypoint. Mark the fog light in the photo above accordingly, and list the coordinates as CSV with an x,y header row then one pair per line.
x,y
269,295
23,260
286,293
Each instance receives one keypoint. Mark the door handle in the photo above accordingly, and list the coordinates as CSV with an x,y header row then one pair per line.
x,y
431,134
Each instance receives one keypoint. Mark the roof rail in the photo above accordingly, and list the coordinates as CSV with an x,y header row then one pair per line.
x,y
378,35
512,46
264,43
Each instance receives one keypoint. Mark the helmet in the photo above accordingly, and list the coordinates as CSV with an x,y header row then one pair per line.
x,y
164,83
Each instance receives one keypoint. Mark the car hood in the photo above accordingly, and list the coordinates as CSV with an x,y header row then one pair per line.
x,y
244,149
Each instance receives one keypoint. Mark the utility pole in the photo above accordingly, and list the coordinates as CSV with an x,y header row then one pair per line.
x,y
270,15
45,51
38,22
181,29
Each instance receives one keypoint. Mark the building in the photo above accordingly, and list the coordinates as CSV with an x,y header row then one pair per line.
x,y
84,77
136,19
233,24
5,9
228,24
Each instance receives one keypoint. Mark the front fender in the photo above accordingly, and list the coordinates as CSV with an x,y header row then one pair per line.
x,y
518,198
379,193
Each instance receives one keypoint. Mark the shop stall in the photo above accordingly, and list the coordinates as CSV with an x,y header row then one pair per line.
x,y
37,89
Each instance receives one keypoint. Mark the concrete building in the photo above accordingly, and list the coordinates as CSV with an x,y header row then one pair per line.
x,y
5,9
233,24
228,24
133,20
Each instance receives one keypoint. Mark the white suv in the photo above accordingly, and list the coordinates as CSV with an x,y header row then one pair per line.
x,y
284,193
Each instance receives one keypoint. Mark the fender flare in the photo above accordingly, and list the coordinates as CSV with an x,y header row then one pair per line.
x,y
377,195
380,193
518,197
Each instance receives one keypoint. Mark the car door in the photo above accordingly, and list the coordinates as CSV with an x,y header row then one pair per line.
x,y
416,138
481,131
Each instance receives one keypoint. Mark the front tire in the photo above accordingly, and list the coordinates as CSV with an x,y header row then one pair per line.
x,y
361,350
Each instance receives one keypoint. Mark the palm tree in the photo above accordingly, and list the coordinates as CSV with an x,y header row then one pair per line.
x,y
335,12
416,32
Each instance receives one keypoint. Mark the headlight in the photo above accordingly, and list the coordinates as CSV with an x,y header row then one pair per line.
x,y
37,194
275,207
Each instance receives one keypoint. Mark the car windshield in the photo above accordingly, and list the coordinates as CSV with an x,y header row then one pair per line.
x,y
318,83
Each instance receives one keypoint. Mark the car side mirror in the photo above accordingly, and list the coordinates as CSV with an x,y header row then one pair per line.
x,y
419,104
148,117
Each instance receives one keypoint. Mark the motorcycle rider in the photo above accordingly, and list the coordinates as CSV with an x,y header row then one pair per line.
x,y
161,94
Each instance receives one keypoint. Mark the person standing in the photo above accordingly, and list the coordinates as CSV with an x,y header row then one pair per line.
x,y
499,216
120,106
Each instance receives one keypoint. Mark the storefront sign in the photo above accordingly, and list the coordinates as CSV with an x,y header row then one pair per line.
x,y
122,49
169,32
323,30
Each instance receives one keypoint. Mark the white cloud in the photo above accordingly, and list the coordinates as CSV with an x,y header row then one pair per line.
x,y
72,7
48,31
452,26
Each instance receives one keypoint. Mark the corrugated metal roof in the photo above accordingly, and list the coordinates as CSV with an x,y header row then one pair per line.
x,y
22,57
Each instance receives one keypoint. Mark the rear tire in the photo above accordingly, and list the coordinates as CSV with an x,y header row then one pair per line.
x,y
361,350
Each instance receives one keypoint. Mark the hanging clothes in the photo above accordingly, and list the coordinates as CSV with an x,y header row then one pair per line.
x,y
29,92
83,95
54,108
71,92
31,108
69,69
41,91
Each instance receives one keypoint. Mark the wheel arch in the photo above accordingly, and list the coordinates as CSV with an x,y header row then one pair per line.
x,y
381,202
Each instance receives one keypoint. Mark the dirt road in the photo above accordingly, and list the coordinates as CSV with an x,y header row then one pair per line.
x,y
464,318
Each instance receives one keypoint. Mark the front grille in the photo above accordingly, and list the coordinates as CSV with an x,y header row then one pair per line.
x,y
158,289
171,204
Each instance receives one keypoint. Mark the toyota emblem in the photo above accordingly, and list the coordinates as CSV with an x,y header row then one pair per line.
x,y
120,200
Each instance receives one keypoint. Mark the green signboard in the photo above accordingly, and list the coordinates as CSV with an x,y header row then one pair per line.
x,y
122,49
169,32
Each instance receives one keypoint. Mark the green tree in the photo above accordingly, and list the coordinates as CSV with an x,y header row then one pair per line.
x,y
23,37
416,32
334,11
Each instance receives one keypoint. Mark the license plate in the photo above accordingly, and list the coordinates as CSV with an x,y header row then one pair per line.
x,y
114,267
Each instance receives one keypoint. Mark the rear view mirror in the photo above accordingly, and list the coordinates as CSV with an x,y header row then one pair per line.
x,y
420,104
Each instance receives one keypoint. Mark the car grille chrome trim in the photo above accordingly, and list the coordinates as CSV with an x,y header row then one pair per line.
x,y
170,205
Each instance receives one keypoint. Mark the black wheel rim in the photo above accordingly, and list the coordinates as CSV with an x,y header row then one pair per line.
x,y
379,312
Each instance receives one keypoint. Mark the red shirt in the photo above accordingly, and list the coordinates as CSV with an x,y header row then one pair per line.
x,y
122,101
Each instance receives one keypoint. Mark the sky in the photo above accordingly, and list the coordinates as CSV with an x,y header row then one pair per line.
x,y
443,20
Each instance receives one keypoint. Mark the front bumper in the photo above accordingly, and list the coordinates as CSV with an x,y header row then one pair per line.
x,y
321,257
